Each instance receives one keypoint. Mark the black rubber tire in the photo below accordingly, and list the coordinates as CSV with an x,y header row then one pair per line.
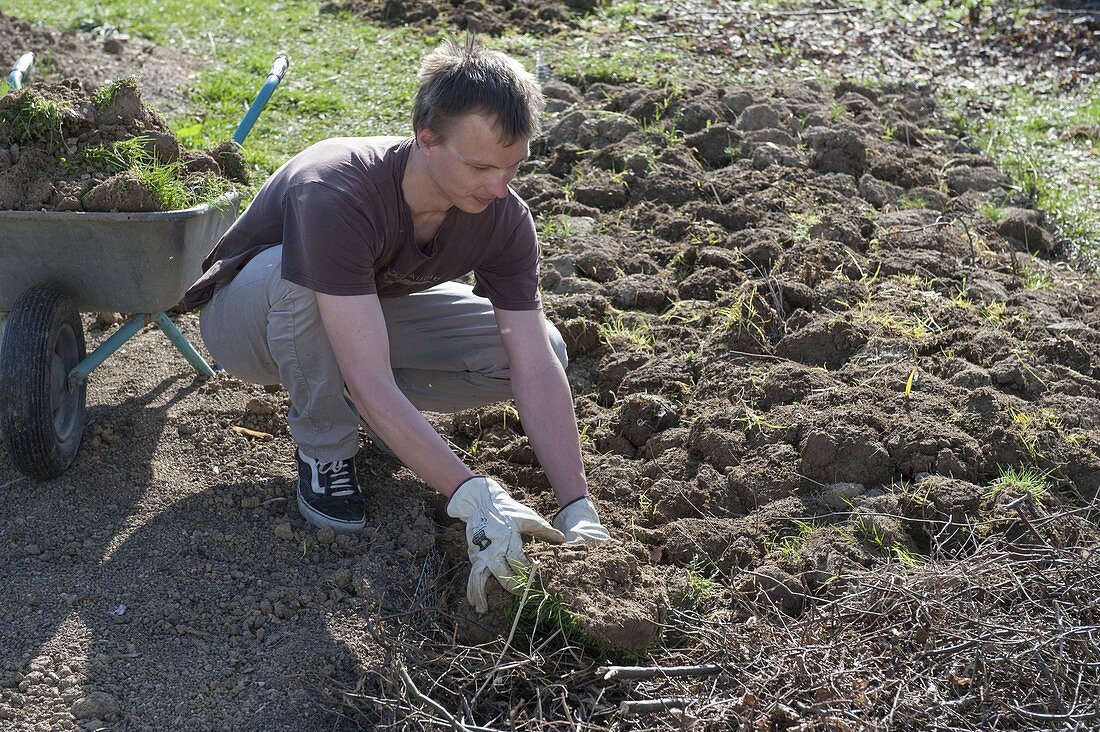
x,y
41,419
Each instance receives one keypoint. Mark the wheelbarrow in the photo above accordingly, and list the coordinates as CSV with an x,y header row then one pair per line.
x,y
56,265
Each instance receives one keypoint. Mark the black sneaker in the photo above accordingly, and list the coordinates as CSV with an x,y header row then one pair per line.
x,y
329,495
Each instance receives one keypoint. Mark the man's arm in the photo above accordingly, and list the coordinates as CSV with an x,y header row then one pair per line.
x,y
356,329
495,522
544,401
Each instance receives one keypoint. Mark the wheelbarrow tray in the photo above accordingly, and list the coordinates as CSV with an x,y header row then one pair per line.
x,y
110,262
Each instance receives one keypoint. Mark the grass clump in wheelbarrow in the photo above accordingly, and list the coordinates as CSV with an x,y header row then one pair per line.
x,y
138,175
65,147
34,118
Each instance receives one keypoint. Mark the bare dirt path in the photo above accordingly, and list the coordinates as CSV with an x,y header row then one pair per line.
x,y
161,583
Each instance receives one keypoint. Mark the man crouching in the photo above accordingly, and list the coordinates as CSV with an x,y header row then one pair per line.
x,y
337,282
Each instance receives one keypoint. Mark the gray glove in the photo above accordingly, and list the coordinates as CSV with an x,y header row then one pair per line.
x,y
495,523
579,522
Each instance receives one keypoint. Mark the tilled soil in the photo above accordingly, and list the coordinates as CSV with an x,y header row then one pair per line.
x,y
789,304
807,324
1001,66
492,18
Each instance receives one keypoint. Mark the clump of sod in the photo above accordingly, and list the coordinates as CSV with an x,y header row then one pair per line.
x,y
109,92
72,148
169,183
29,115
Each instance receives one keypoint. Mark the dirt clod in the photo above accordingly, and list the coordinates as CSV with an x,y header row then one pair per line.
x,y
73,148
616,599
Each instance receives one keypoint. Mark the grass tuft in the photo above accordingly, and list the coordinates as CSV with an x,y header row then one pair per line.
x,y
789,545
702,578
535,610
106,94
620,329
169,182
1021,480
33,117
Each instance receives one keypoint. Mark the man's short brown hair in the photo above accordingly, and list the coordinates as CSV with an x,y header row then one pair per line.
x,y
458,79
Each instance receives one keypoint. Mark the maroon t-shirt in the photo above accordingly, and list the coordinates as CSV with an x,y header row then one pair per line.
x,y
339,212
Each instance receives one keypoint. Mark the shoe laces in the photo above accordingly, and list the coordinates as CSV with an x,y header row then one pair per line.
x,y
340,477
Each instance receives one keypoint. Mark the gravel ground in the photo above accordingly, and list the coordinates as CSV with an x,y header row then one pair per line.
x,y
163,582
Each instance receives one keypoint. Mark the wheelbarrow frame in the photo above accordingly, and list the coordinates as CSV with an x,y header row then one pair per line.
x,y
138,263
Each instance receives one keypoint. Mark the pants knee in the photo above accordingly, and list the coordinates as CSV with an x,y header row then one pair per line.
x,y
558,344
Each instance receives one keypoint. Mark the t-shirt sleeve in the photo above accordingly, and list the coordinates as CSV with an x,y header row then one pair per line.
x,y
330,244
511,280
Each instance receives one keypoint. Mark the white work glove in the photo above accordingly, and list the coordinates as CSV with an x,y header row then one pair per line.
x,y
495,523
579,522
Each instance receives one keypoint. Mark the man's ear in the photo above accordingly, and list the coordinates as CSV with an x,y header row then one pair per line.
x,y
425,138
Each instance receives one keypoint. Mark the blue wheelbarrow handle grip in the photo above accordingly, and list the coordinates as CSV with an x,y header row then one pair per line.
x,y
279,67
21,69
274,76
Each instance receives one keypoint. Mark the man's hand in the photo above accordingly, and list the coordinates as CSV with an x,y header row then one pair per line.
x,y
495,523
579,522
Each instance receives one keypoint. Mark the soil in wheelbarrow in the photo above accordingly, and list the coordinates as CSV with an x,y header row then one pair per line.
x,y
492,18
98,54
72,147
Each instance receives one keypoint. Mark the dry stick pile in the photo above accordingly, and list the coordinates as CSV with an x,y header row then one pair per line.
x,y
1002,633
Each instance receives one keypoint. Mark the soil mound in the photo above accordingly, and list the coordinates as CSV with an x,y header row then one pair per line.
x,y
98,56
67,147
492,18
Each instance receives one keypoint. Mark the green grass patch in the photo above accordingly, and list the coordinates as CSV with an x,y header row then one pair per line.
x,y
1018,481
1044,142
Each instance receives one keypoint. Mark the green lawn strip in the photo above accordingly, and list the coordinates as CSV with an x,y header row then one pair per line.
x,y
349,77
346,77
1049,144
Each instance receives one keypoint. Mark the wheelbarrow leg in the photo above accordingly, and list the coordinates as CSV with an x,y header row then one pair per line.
x,y
79,373
126,331
183,345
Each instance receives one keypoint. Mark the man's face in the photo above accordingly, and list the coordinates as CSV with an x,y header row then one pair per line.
x,y
470,167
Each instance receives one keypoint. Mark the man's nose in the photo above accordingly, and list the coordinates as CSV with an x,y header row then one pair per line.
x,y
498,184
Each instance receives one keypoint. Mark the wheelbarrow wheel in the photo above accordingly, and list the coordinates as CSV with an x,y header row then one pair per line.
x,y
41,417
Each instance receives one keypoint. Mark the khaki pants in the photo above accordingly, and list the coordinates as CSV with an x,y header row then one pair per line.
x,y
445,350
